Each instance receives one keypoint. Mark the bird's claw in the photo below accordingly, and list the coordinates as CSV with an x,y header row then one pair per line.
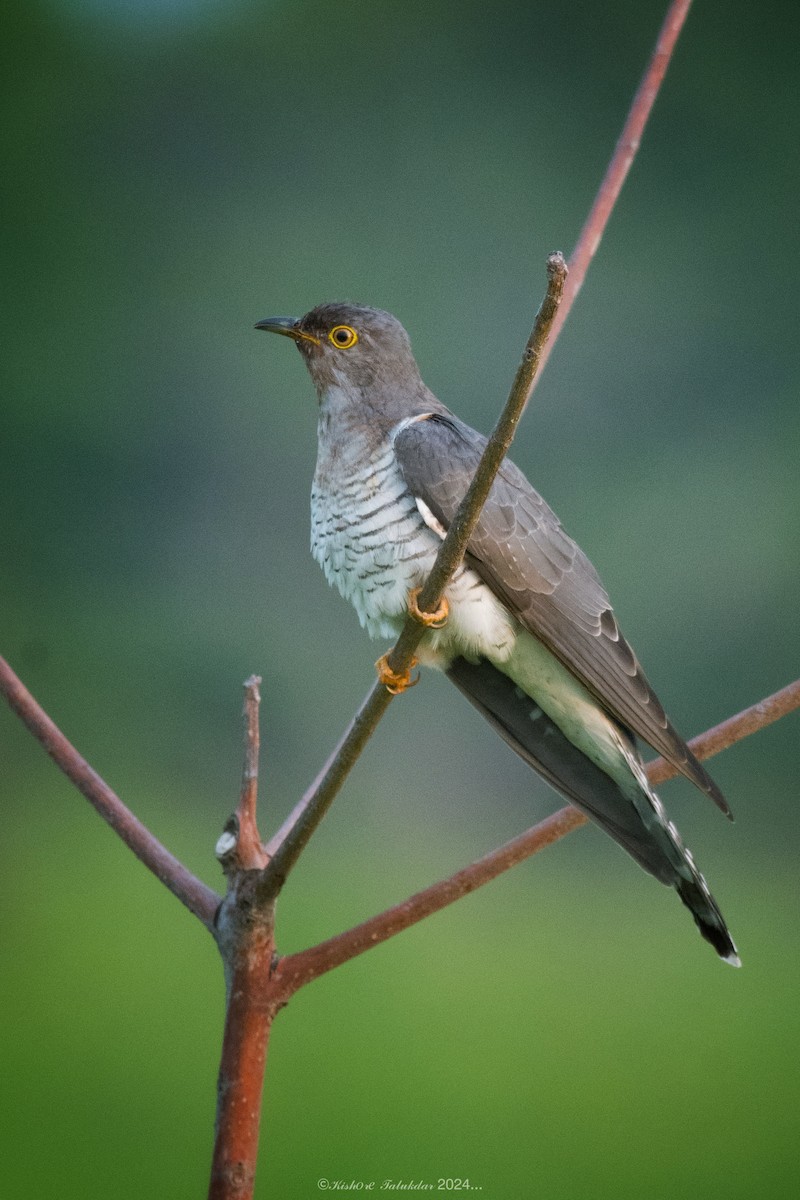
x,y
431,620
395,681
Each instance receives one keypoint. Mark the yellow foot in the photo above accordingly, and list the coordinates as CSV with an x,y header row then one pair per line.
x,y
431,620
391,680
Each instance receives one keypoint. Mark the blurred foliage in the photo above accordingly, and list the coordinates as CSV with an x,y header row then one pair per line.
x,y
171,173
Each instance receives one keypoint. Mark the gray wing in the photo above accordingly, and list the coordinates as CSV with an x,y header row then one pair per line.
x,y
521,551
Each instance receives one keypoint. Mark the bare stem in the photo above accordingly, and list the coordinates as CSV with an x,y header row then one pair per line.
x,y
248,1021
298,969
308,814
239,848
192,892
310,810
248,795
624,154
707,744
454,546
621,161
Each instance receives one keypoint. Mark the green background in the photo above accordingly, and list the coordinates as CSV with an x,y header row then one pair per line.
x,y
172,172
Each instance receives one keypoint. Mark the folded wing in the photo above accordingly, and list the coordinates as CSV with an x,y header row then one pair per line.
x,y
520,550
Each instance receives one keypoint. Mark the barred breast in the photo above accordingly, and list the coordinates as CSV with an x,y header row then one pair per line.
x,y
375,542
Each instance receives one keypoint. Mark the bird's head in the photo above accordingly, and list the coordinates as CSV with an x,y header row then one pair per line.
x,y
350,346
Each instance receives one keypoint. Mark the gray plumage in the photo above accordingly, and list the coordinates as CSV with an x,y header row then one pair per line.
x,y
531,638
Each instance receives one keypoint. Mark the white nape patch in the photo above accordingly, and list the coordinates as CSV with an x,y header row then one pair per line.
x,y
429,519
406,421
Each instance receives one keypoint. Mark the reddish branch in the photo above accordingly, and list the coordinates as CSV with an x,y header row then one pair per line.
x,y
298,969
706,745
246,939
248,1019
239,846
249,839
192,892
621,161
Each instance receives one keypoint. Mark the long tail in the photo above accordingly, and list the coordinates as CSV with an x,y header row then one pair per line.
x,y
634,817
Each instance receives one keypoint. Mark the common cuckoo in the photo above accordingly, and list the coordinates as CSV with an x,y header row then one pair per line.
x,y
526,630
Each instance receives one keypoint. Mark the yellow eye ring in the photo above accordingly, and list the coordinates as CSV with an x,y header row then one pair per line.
x,y
342,337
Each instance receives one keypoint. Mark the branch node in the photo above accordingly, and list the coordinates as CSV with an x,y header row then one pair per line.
x,y
228,841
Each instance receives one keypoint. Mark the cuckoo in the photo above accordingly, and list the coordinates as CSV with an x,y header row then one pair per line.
x,y
526,630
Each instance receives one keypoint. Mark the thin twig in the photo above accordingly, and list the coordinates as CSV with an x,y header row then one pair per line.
x,y
192,892
298,969
248,795
454,546
706,745
239,846
288,843
318,799
621,161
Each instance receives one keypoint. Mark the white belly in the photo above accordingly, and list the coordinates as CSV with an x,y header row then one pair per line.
x,y
371,540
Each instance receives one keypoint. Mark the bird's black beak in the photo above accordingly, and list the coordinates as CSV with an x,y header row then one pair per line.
x,y
288,327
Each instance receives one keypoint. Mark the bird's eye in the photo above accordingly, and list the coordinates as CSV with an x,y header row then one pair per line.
x,y
343,337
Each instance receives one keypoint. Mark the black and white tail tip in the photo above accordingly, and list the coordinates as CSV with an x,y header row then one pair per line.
x,y
709,920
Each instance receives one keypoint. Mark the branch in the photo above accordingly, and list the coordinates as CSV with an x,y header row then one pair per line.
x,y
239,845
454,546
758,716
286,846
246,940
295,833
621,161
192,892
247,948
298,969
